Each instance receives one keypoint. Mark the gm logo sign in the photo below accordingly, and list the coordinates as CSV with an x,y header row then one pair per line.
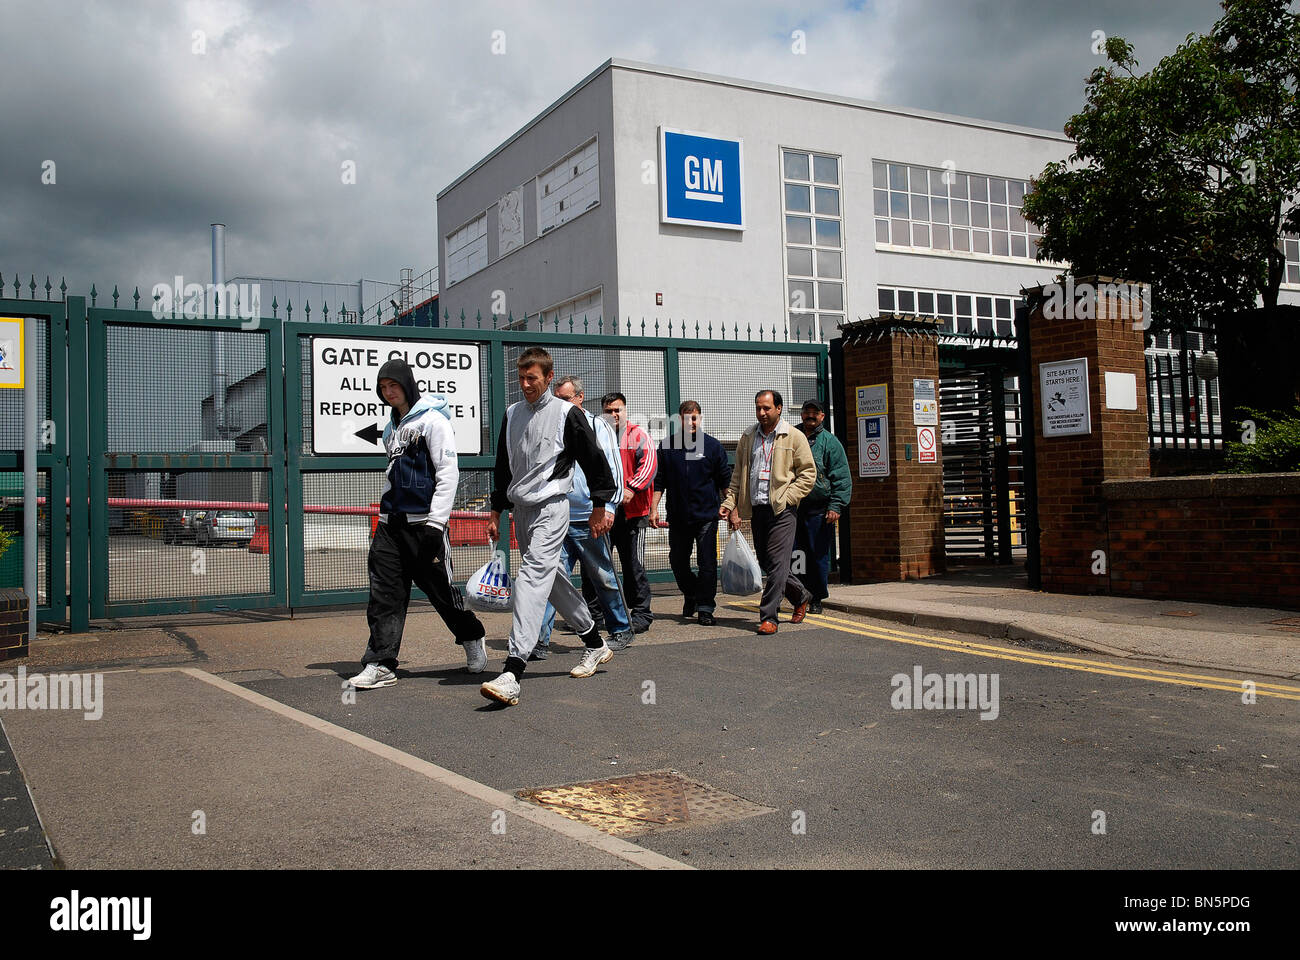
x,y
701,183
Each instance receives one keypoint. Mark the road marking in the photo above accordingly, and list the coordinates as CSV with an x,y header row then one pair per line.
x,y
578,832
1060,662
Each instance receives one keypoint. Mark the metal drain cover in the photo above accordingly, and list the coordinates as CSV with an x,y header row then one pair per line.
x,y
637,804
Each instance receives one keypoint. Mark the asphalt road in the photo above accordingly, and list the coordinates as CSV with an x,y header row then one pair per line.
x,y
1180,774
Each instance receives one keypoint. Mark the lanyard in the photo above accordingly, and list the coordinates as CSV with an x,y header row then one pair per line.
x,y
767,454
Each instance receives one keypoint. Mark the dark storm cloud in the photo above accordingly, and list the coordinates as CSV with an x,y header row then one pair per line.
x,y
153,141
1023,61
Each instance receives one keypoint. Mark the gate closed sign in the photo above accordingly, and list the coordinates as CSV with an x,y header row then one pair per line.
x,y
349,417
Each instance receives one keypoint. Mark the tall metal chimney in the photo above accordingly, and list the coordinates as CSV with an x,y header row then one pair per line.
x,y
216,344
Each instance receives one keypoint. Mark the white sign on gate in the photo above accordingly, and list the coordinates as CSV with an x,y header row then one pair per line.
x,y
347,415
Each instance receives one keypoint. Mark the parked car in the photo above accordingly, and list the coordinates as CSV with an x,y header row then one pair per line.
x,y
181,526
226,526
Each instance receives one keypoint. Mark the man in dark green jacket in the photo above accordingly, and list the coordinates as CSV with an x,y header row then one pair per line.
x,y
820,509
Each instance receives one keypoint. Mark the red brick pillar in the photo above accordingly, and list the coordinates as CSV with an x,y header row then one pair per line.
x,y
1100,322
895,521
13,623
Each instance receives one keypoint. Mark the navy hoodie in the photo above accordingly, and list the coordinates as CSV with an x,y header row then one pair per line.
x,y
422,467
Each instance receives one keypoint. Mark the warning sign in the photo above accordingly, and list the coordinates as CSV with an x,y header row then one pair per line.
x,y
873,446
1063,389
925,406
347,415
925,445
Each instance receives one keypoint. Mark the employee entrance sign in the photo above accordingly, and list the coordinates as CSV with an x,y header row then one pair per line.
x,y
701,180
349,417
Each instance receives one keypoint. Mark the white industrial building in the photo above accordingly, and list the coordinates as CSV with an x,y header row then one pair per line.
x,y
648,192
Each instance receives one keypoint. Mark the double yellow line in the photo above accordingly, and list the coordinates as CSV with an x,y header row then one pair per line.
x,y
1262,689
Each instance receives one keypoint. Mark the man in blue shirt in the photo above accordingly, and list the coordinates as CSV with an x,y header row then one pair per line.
x,y
693,470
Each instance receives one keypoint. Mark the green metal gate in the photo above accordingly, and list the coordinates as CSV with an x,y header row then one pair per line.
x,y
144,458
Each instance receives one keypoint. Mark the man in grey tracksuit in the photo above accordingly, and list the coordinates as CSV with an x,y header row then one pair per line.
x,y
542,437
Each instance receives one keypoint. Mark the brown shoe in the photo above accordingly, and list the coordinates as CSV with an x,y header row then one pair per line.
x,y
800,612
767,626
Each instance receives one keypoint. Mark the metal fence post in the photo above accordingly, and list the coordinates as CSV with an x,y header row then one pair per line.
x,y
672,383
78,469
497,375
97,424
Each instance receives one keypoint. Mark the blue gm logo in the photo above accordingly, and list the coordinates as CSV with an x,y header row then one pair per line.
x,y
701,183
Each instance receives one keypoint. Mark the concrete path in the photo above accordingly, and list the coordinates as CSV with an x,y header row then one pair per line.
x,y
995,602
185,770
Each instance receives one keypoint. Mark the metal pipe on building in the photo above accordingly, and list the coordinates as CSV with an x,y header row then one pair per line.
x,y
216,344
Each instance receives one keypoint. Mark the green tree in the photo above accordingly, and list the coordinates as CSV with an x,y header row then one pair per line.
x,y
1185,177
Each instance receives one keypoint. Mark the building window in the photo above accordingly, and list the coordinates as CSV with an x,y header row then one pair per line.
x,y
467,250
962,314
584,311
936,209
814,243
569,188
1291,249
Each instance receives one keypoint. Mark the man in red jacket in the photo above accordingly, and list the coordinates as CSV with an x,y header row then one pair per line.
x,y
633,518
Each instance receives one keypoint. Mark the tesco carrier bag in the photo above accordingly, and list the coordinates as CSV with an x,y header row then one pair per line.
x,y
489,589
741,574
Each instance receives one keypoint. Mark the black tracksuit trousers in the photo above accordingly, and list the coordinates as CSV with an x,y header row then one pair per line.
x,y
399,554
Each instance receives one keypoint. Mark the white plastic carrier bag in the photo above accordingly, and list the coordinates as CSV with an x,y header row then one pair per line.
x,y
741,574
489,589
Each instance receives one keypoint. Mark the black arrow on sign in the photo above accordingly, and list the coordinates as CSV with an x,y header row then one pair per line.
x,y
370,433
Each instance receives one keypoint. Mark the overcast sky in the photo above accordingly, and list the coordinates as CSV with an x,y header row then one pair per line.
x,y
152,138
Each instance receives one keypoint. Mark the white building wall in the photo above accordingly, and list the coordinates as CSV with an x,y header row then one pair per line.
x,y
730,276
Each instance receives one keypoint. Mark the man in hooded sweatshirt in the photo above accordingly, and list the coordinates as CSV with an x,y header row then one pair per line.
x,y
410,541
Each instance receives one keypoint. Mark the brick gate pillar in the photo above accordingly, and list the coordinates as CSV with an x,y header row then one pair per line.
x,y
1085,332
895,520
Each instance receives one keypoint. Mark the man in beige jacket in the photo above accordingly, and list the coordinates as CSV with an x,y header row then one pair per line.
x,y
774,471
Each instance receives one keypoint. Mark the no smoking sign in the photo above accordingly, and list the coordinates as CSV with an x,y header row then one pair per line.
x,y
925,445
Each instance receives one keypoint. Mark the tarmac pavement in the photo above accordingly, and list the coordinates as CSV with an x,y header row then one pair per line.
x,y
242,717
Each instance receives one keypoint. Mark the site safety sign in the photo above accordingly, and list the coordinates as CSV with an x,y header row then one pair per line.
x,y
347,415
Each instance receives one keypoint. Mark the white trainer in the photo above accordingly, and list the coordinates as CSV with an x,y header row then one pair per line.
x,y
504,689
592,657
475,655
375,675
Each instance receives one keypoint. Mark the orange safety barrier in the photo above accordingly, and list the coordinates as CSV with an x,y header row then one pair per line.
x,y
261,542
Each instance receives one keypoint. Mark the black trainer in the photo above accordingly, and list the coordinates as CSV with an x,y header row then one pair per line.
x,y
707,620
688,608
815,607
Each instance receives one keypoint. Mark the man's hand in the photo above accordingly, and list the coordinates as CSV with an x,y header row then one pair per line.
x,y
832,516
600,523
731,516
628,494
657,521
494,525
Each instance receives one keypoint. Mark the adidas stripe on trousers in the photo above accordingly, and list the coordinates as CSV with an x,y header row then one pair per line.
x,y
400,553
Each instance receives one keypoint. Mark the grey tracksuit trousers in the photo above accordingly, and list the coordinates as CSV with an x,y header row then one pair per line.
x,y
541,530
